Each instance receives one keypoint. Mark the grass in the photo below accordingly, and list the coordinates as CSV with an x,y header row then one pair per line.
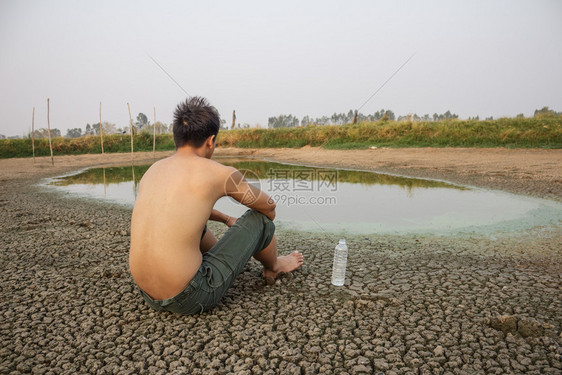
x,y
537,132
10,148
507,132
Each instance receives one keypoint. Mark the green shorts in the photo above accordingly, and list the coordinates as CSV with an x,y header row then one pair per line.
x,y
251,233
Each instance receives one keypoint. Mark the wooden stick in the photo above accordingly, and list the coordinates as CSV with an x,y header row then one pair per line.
x,y
49,131
101,132
131,126
33,133
154,134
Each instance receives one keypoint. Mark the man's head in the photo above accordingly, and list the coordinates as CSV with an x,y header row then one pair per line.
x,y
195,120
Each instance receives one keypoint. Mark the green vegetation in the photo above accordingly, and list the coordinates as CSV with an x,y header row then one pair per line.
x,y
10,148
537,132
541,131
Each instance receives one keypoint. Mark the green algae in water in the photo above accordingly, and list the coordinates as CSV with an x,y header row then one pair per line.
x,y
346,201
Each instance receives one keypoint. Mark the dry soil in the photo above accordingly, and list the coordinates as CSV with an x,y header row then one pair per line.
x,y
410,305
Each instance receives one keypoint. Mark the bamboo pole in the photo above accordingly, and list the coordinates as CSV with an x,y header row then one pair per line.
x,y
49,131
154,133
131,126
33,133
101,132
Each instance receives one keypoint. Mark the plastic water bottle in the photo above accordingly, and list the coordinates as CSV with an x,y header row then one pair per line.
x,y
340,262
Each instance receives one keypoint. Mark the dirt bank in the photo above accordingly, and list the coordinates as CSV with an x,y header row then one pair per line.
x,y
411,304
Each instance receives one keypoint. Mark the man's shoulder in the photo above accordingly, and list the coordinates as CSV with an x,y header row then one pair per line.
x,y
215,174
212,170
221,171
210,163
198,166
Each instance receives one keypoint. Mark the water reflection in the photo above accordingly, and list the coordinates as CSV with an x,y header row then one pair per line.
x,y
323,199
263,170
109,175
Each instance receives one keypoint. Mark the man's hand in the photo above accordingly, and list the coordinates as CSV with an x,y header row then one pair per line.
x,y
230,221
216,215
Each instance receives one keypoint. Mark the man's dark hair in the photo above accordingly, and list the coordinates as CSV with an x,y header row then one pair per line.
x,y
195,120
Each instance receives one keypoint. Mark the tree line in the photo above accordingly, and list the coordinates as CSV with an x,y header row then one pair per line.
x,y
285,121
282,121
141,125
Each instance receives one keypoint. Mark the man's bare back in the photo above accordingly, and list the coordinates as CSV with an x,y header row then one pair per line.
x,y
176,196
178,266
175,200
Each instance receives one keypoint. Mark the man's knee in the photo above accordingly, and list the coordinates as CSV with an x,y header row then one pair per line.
x,y
266,226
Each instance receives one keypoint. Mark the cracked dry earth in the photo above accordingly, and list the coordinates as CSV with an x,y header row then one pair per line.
x,y
411,304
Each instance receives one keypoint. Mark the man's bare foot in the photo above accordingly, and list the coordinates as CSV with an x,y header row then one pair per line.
x,y
286,263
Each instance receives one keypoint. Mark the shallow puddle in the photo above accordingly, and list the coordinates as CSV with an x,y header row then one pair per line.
x,y
345,201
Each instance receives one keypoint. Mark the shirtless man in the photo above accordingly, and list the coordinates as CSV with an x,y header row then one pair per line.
x,y
177,263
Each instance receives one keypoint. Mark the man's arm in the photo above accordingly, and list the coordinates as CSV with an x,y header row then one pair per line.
x,y
250,196
216,215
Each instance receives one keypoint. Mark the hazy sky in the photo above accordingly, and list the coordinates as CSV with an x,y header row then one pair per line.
x,y
486,58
